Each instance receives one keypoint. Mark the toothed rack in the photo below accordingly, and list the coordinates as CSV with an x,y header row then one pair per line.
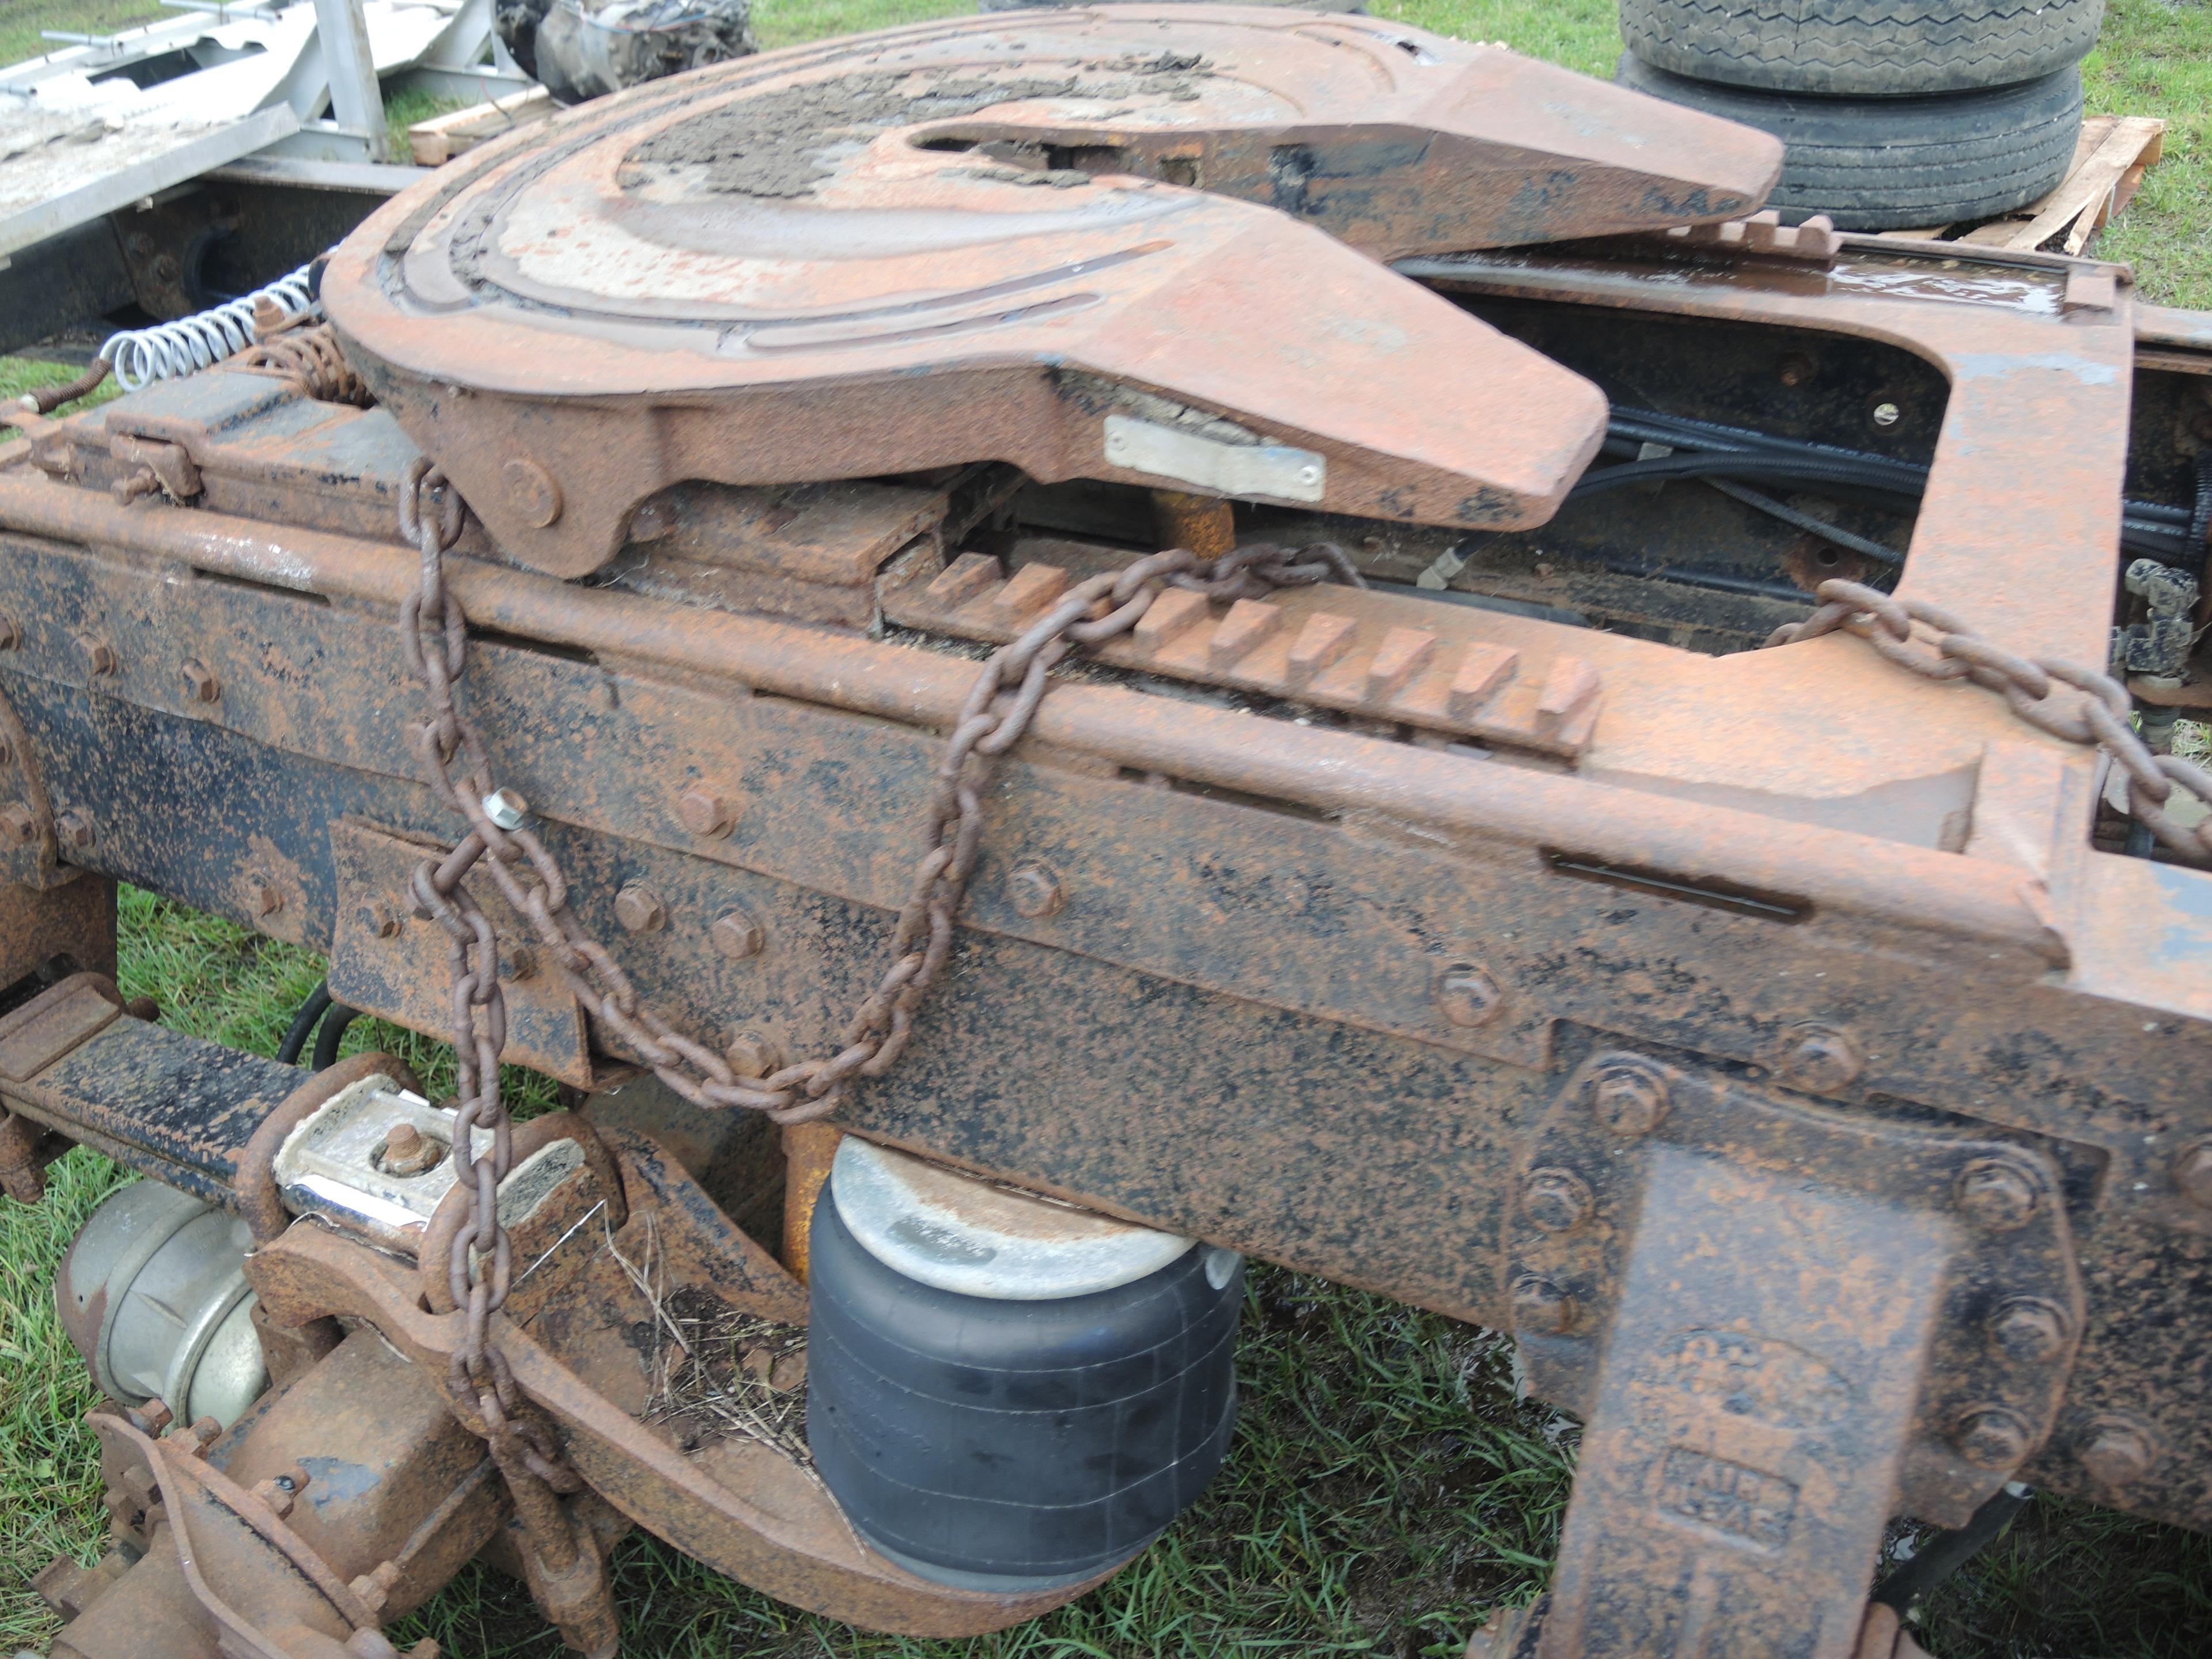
x,y
1331,647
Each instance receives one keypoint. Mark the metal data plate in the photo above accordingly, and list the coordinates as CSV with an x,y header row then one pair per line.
x,y
1138,243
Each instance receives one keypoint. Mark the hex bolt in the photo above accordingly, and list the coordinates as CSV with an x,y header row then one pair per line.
x,y
2029,1328
736,935
1541,1307
200,685
153,1417
704,812
1628,1098
263,897
1558,1200
2192,1173
517,963
1468,996
1997,1194
505,808
374,1589
19,824
99,655
1821,1059
754,1054
277,1492
1991,1437
75,830
1035,891
2115,1449
378,920
640,910
409,1151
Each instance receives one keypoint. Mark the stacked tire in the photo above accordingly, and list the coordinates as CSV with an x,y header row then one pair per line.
x,y
1895,114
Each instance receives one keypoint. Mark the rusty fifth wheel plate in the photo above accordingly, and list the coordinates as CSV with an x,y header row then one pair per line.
x,y
1143,244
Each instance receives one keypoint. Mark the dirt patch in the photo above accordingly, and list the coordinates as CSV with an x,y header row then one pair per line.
x,y
785,141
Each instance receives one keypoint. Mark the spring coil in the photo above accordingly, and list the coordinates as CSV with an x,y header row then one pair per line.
x,y
141,356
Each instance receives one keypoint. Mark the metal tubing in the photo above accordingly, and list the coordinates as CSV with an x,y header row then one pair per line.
x,y
1884,881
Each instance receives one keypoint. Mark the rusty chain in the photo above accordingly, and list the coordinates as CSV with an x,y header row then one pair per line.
x,y
1930,641
433,636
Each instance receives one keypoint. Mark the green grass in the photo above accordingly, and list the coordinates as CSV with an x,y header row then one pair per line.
x,y
1386,1487
21,21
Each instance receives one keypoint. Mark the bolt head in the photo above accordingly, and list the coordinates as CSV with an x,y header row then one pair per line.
x,y
1821,1059
200,685
99,655
1888,414
2192,1174
1558,1200
1991,1437
2115,1450
533,490
378,920
1543,1308
704,812
754,1054
1468,996
1629,1097
505,808
2029,1328
403,1140
517,963
263,897
1997,1193
1035,891
640,910
19,824
75,830
736,935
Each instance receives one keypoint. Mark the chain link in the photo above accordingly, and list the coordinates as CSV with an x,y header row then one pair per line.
x,y
1930,641
433,636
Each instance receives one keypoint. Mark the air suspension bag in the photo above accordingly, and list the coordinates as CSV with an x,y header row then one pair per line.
x,y
1041,1435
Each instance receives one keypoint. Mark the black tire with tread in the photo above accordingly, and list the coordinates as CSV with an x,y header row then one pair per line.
x,y
1862,48
1883,164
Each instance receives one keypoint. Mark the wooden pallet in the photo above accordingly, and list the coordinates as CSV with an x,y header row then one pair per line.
x,y
2110,159
440,138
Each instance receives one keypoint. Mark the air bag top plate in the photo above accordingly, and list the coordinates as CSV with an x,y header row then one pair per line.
x,y
978,239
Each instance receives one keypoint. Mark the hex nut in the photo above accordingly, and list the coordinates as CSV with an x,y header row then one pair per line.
x,y
2029,1329
704,812
1558,1200
1997,1193
736,935
409,1151
1543,1308
1991,1437
1821,1059
75,830
200,685
2116,1451
1468,996
754,1054
19,824
640,910
516,963
2192,1173
99,655
1035,891
1628,1097
505,808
